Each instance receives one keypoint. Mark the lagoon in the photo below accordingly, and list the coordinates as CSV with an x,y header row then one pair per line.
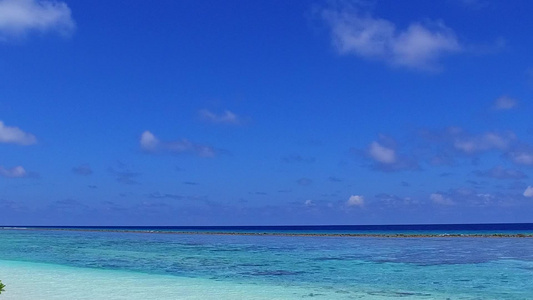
x,y
99,264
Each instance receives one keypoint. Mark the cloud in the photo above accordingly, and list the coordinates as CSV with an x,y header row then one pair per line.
x,y
501,173
127,177
15,172
394,200
504,103
384,156
441,199
226,117
158,195
455,140
523,156
356,200
471,144
147,205
529,192
84,170
445,147
124,175
19,17
68,204
151,144
470,197
381,153
419,46
13,135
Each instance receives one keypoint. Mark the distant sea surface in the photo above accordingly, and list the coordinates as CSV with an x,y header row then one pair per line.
x,y
273,262
432,229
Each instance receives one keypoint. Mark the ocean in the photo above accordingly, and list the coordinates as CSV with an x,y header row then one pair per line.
x,y
488,261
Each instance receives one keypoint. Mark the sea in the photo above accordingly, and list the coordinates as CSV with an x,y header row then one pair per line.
x,y
472,261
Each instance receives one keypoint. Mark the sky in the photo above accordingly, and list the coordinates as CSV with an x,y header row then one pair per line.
x,y
270,112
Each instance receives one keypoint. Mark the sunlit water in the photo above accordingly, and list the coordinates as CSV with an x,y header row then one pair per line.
x,y
109,265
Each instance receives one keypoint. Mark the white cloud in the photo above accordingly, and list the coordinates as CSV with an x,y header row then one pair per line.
x,y
529,192
522,157
309,203
418,46
227,117
18,17
148,141
504,103
441,199
13,135
470,144
356,200
394,200
151,144
16,172
384,156
381,153
501,173
445,146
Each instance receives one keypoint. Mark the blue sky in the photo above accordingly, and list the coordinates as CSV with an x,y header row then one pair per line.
x,y
265,112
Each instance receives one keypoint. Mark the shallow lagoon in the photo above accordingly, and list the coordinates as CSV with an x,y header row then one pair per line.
x,y
114,265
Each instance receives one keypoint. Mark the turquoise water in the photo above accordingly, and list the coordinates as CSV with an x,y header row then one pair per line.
x,y
182,266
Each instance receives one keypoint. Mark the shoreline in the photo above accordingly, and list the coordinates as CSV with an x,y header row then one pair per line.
x,y
71,282
234,233
29,281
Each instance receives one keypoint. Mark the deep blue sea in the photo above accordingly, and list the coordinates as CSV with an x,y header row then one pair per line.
x,y
142,263
422,229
